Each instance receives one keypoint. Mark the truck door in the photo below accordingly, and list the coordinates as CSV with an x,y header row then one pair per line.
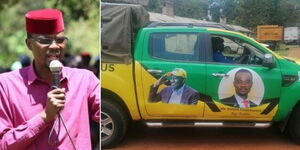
x,y
241,87
176,57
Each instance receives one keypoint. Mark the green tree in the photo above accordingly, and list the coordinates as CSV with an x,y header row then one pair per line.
x,y
196,9
81,21
12,26
258,12
82,18
154,6
215,8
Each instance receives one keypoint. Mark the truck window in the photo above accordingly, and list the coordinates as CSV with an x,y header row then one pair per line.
x,y
174,46
228,49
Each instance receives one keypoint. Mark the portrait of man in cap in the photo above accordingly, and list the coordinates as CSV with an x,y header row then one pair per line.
x,y
34,114
177,93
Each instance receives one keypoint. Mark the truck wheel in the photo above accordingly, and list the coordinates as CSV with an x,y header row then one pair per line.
x,y
294,124
113,123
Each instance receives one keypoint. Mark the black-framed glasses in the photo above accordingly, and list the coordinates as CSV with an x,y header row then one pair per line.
x,y
48,41
243,82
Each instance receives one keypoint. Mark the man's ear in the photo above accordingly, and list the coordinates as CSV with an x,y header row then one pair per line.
x,y
28,43
183,81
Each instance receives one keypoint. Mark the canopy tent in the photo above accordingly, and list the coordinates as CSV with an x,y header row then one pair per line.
x,y
119,25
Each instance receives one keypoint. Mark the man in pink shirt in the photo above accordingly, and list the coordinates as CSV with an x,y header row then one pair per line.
x,y
28,103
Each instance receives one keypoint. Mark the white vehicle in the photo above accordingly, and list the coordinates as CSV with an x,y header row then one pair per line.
x,y
292,35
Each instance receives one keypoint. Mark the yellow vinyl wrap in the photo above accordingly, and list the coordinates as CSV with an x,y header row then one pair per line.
x,y
121,82
233,113
161,110
200,111
118,78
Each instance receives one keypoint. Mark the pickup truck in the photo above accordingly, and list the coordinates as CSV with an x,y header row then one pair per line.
x,y
167,75
292,35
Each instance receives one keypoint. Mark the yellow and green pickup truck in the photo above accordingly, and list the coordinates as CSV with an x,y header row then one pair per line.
x,y
190,75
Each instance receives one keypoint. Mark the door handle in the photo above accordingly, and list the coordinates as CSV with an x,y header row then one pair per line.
x,y
220,75
155,71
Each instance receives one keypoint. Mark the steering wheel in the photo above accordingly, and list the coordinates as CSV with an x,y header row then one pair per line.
x,y
244,58
254,60
251,59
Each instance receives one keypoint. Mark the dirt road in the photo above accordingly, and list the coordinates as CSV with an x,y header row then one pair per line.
x,y
294,52
140,137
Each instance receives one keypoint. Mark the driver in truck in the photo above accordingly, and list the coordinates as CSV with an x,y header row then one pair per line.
x,y
218,47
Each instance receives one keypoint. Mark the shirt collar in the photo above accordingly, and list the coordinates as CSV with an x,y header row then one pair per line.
x,y
240,99
32,75
179,90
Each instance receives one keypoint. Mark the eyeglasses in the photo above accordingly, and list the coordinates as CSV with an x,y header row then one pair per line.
x,y
173,77
243,82
48,41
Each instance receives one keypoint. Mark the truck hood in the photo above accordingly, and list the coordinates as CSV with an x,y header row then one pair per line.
x,y
295,60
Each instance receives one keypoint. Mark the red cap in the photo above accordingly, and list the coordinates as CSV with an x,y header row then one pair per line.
x,y
44,21
85,54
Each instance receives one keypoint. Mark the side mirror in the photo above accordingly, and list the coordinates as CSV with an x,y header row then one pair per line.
x,y
268,61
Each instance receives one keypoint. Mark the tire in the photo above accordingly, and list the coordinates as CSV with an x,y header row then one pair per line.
x,y
294,124
114,124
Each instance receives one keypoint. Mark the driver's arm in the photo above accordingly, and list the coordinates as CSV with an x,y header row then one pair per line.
x,y
243,58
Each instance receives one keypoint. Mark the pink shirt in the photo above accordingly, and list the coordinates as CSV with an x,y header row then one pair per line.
x,y
23,97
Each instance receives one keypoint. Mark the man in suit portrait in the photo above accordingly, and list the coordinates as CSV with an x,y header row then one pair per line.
x,y
177,93
242,83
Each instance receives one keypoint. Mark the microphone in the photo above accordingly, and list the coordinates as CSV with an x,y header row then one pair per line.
x,y
55,67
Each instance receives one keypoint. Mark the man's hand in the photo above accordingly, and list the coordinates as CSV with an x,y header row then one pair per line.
x,y
161,80
55,102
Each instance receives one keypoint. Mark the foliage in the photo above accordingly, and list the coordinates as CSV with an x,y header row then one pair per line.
x,y
258,12
247,13
191,8
12,38
154,6
75,10
85,39
81,21
82,24
185,8
215,8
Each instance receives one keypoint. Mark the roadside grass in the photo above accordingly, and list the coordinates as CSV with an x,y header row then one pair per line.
x,y
284,49
282,52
